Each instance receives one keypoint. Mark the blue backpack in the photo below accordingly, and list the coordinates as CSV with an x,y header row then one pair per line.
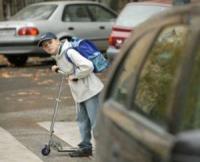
x,y
88,50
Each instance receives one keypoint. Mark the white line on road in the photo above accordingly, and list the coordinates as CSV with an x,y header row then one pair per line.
x,y
67,131
12,150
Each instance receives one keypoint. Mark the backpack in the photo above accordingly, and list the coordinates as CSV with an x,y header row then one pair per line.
x,y
88,50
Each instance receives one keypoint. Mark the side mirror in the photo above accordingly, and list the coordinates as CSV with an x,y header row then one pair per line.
x,y
186,147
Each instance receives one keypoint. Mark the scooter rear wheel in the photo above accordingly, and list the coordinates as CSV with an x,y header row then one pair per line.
x,y
46,150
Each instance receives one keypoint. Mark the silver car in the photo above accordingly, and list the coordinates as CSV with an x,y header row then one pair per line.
x,y
19,35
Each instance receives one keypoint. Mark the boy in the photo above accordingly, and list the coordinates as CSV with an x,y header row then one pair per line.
x,y
84,84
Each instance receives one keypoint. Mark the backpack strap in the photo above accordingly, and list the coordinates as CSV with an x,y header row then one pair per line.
x,y
69,59
66,55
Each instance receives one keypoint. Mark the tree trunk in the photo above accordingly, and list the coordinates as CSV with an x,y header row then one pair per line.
x,y
1,10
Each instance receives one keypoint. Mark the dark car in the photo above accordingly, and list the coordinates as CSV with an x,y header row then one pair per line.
x,y
151,106
20,34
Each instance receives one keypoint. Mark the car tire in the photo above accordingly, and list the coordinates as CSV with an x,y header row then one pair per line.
x,y
17,60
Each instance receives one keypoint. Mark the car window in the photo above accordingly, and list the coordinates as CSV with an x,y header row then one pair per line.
x,y
76,13
101,14
191,114
36,12
125,73
137,14
159,72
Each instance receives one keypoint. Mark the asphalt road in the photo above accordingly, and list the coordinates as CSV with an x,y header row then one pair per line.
x,y
27,97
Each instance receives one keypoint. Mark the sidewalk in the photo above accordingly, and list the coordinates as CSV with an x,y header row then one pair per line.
x,y
67,131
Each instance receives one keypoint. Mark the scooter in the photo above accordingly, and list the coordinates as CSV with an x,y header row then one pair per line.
x,y
53,144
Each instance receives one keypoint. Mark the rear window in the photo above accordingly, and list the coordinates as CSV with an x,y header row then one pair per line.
x,y
35,12
133,15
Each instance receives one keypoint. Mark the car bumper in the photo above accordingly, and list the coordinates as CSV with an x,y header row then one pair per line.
x,y
22,47
111,53
22,50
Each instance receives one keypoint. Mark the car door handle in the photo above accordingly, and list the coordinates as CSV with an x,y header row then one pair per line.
x,y
71,28
102,27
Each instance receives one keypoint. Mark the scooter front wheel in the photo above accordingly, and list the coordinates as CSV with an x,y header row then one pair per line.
x,y
46,150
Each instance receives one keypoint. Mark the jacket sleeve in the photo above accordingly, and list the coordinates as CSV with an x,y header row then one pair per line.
x,y
83,66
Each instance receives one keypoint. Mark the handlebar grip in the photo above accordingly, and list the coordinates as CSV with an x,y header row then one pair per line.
x,y
60,71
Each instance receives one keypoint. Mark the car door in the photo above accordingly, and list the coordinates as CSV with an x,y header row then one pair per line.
x,y
103,20
78,20
114,125
152,93
135,116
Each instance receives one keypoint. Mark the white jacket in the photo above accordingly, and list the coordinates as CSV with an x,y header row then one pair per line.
x,y
88,84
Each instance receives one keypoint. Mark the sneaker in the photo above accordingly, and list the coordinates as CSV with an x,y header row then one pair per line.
x,y
81,153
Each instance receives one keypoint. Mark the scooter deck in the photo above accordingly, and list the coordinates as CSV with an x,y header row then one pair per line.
x,y
68,149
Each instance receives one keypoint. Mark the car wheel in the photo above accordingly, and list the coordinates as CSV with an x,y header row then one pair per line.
x,y
17,60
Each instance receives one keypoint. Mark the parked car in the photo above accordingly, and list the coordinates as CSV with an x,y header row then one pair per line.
x,y
19,35
131,15
151,105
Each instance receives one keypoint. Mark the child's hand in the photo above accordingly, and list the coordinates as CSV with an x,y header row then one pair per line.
x,y
72,78
55,68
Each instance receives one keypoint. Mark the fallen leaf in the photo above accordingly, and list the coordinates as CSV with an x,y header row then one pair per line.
x,y
22,93
6,75
20,100
45,82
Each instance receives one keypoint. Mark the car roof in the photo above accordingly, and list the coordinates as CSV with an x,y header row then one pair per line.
x,y
160,18
122,22
67,2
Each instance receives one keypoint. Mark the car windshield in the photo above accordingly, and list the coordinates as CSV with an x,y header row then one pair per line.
x,y
134,15
35,12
